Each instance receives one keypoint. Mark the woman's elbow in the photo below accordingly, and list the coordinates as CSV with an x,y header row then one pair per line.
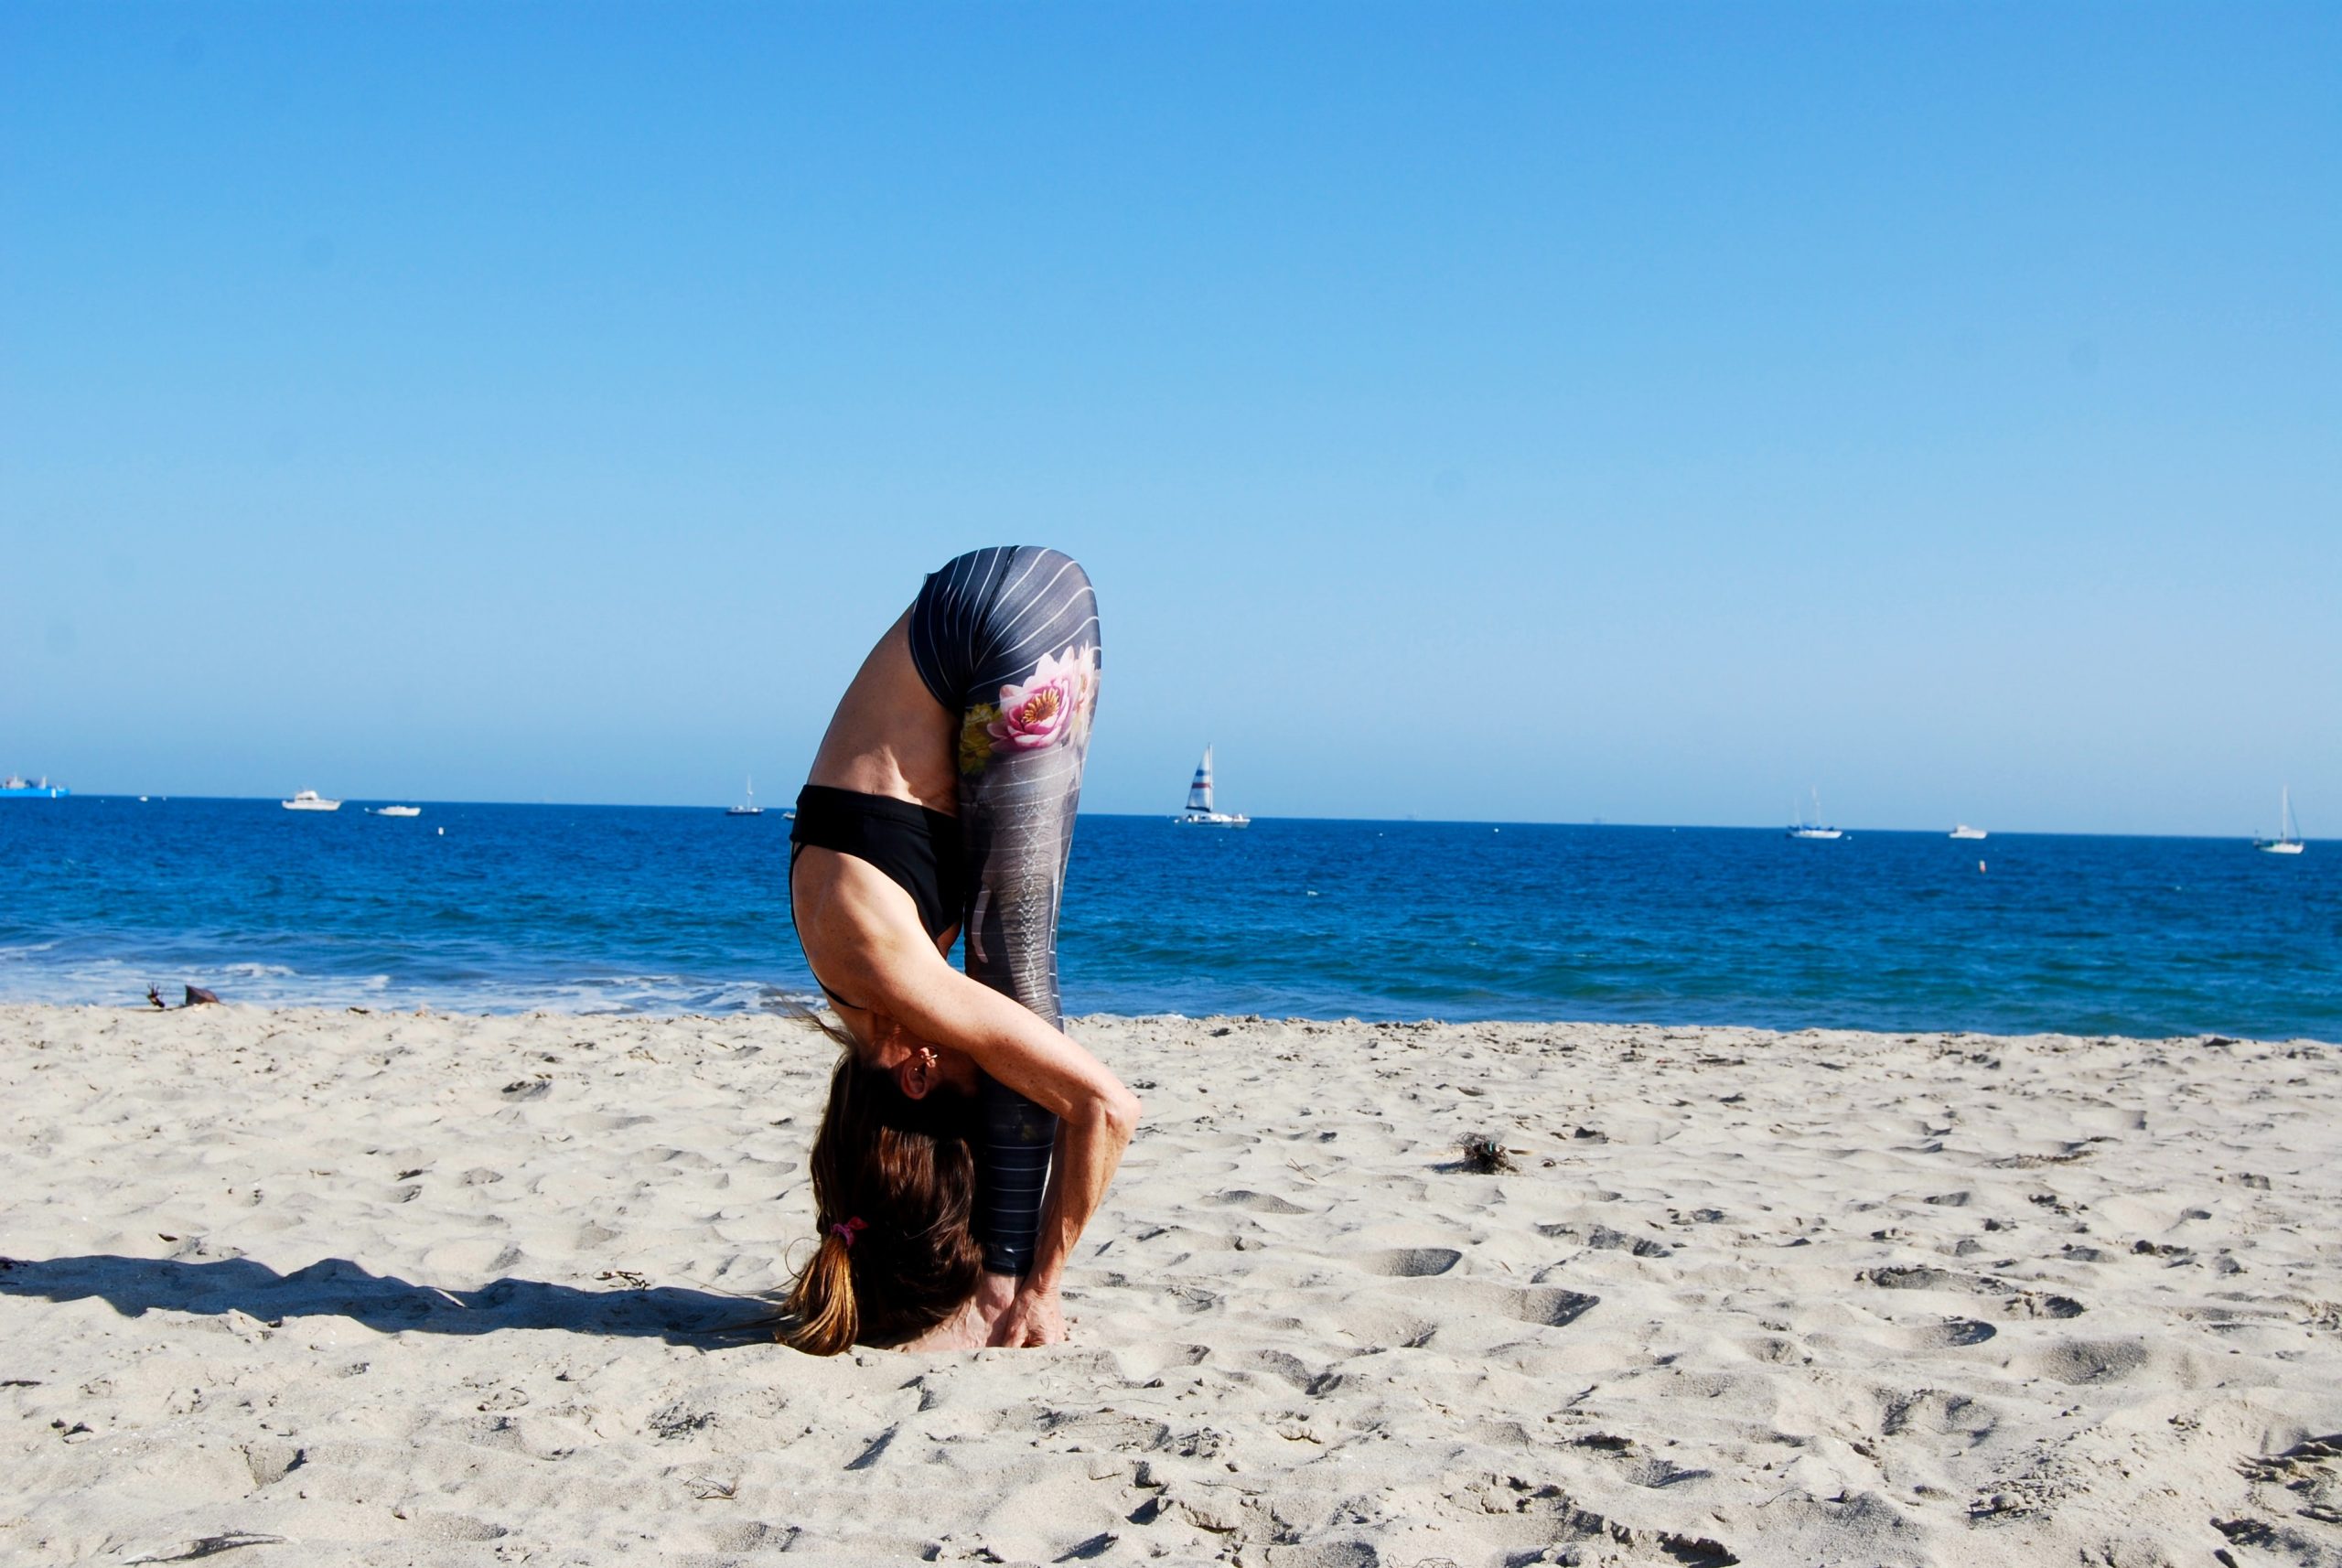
x,y
1101,1106
1118,1111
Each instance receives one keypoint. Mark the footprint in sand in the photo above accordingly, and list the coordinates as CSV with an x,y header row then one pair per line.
x,y
1921,1276
2085,1360
1951,1333
1937,1412
1607,1239
1548,1306
1258,1202
1409,1262
1382,1327
2018,1302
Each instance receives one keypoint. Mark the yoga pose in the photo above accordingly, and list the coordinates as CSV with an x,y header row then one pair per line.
x,y
967,1140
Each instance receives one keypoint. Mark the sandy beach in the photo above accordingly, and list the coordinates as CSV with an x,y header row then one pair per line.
x,y
329,1287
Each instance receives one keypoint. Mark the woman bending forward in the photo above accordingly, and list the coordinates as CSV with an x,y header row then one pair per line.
x,y
967,1140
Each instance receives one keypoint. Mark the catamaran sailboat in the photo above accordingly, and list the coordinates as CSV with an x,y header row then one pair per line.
x,y
1200,811
2289,834
748,808
1802,829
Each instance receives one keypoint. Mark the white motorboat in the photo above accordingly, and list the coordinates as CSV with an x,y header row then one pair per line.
x,y
2289,834
309,800
747,808
1804,828
394,811
1200,811
1964,831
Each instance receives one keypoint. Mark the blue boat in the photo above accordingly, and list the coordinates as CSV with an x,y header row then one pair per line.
x,y
14,787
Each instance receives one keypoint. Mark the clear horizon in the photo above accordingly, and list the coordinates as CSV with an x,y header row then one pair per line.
x,y
777,807
1481,412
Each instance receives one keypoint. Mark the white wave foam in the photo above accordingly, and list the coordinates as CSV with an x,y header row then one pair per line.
x,y
28,975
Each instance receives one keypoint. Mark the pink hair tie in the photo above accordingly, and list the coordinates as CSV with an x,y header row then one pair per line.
x,y
848,1232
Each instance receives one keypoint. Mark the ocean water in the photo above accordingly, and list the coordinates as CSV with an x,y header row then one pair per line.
x,y
587,909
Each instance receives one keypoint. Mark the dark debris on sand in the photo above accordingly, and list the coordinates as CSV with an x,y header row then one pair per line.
x,y
1484,1155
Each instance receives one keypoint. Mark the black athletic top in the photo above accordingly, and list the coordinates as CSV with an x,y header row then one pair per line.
x,y
918,849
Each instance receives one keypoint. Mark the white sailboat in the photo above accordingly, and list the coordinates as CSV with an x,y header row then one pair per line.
x,y
2289,834
1803,829
1200,811
309,800
1964,831
749,806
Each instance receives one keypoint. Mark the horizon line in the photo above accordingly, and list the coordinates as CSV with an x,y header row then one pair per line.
x,y
1849,830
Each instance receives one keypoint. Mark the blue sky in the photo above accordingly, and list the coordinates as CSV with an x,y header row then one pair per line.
x,y
1525,413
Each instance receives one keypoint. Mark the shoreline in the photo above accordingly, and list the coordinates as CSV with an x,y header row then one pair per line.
x,y
392,1286
2210,1038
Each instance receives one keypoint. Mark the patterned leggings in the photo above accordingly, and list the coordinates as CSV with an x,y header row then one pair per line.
x,y
1007,638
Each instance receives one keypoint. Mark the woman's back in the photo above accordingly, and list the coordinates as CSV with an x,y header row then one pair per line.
x,y
889,736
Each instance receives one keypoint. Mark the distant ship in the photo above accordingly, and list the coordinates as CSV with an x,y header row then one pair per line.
x,y
309,800
747,808
388,810
14,787
2289,835
1201,812
1964,831
1802,829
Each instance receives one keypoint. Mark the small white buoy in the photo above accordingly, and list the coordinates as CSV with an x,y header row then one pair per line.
x,y
443,832
1979,868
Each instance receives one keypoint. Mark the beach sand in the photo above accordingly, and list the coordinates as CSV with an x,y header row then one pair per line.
x,y
307,1287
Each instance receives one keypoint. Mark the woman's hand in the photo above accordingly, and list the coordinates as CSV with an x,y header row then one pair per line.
x,y
1036,1318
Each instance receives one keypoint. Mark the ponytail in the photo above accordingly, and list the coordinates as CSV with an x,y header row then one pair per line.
x,y
823,1316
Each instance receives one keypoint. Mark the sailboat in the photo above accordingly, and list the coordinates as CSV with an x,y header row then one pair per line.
x,y
1802,829
749,806
2289,834
1200,811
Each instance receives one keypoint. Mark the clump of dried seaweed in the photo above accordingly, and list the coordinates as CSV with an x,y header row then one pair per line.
x,y
1484,1156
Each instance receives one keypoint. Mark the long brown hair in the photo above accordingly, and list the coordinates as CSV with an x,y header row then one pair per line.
x,y
894,1181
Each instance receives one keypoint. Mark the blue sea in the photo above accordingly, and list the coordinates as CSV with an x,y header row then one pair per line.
x,y
595,908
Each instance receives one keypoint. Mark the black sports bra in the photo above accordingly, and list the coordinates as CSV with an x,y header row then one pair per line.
x,y
918,849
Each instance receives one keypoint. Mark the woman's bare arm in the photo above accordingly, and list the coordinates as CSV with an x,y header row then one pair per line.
x,y
911,983
892,970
